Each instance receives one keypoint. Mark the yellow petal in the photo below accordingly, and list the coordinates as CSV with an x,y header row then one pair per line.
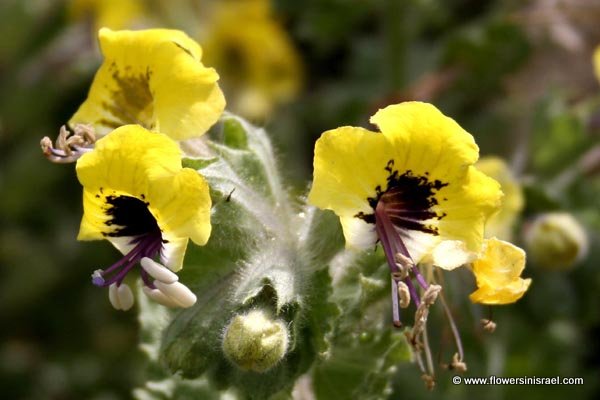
x,y
597,62
349,164
426,141
451,254
501,224
145,169
467,203
421,153
498,274
153,78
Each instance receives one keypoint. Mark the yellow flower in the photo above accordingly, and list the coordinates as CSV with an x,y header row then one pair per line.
x,y
416,175
597,62
153,78
137,196
254,55
107,13
498,274
413,187
501,224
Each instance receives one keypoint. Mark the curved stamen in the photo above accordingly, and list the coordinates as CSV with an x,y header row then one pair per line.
x,y
148,245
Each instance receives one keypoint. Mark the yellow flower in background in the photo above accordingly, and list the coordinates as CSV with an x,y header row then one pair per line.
x,y
113,14
413,187
501,225
137,196
153,78
498,274
255,57
596,61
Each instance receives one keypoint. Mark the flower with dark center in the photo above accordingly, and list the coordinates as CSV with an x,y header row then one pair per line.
x,y
137,196
411,187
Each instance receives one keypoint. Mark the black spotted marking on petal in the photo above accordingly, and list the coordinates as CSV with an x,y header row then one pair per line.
x,y
132,102
184,49
408,200
131,215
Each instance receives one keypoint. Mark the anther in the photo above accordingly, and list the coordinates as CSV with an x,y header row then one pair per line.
x,y
159,297
112,296
97,278
158,271
429,381
457,364
403,294
125,296
46,145
404,265
69,147
488,325
422,312
420,319
61,140
431,294
120,296
177,291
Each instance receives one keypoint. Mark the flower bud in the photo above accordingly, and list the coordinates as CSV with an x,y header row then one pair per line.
x,y
255,341
556,240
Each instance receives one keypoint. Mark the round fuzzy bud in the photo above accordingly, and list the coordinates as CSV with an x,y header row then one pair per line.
x,y
556,240
255,341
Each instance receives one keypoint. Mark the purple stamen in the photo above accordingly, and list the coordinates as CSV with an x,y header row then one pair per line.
x,y
148,245
420,278
392,244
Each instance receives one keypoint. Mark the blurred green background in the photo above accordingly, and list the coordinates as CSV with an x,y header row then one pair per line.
x,y
516,74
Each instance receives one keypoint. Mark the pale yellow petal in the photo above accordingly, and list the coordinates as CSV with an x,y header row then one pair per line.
x,y
426,141
153,78
501,224
451,254
466,205
349,165
358,234
498,273
184,209
143,168
597,62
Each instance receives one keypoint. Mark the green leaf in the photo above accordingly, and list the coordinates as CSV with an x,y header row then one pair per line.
x,y
234,134
559,136
365,346
197,163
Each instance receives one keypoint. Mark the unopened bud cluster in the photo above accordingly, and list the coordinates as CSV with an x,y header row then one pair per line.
x,y
556,240
255,341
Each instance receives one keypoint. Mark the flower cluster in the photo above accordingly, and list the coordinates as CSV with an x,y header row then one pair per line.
x,y
151,90
412,187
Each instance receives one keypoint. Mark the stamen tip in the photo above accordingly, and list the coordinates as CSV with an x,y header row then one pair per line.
x,y
97,279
